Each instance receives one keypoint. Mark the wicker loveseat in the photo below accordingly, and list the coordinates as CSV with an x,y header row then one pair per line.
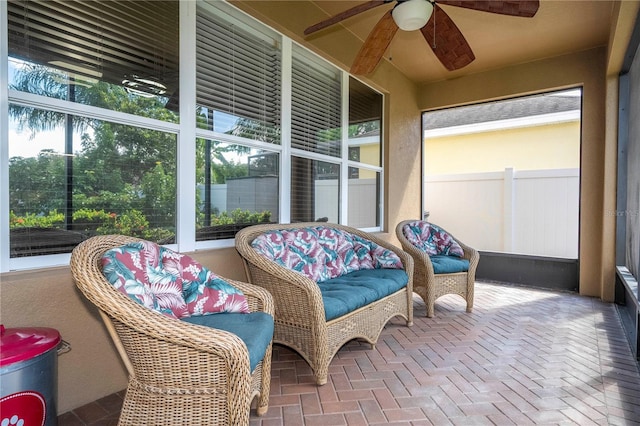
x,y
330,284
202,369
443,264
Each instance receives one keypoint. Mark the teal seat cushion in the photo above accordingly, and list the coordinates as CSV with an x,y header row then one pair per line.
x,y
443,264
354,290
255,329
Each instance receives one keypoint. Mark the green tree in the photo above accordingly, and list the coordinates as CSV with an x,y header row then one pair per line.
x,y
159,202
123,177
110,166
36,185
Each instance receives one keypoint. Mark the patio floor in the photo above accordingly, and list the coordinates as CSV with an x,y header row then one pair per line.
x,y
524,356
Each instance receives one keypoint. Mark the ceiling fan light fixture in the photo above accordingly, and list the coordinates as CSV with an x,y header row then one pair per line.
x,y
145,87
411,15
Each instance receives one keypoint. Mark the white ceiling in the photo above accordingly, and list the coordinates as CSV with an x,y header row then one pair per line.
x,y
559,27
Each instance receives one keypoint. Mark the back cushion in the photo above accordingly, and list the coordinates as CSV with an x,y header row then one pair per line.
x,y
431,239
372,256
169,282
322,253
299,250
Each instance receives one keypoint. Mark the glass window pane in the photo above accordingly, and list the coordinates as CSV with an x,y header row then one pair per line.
x,y
71,178
365,117
364,198
237,186
97,53
315,190
316,106
238,77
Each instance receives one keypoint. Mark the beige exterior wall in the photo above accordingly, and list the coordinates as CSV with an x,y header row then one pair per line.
x,y
369,154
550,146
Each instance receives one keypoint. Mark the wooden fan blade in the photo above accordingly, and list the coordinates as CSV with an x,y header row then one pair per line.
x,y
344,15
375,45
524,8
449,44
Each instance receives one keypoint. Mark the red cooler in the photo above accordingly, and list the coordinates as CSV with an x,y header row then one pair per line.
x,y
28,376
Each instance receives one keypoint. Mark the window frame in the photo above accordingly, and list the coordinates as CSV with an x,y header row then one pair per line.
x,y
186,132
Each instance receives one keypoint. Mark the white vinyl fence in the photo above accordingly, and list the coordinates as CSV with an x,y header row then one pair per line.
x,y
531,212
258,194
362,201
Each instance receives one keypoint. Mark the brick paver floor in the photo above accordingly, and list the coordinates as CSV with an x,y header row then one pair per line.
x,y
523,356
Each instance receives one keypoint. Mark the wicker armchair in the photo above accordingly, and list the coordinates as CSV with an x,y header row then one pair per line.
x,y
430,285
300,320
177,371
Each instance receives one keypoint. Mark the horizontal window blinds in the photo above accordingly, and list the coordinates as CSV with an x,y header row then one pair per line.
x,y
107,40
364,103
238,73
315,106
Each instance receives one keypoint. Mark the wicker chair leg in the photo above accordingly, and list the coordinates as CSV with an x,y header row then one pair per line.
x,y
321,378
424,295
262,409
430,310
430,301
262,403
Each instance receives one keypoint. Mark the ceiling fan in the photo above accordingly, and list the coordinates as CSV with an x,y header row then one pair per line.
x,y
442,35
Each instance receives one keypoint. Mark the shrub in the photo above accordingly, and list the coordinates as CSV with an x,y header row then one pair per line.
x,y
90,220
53,219
132,222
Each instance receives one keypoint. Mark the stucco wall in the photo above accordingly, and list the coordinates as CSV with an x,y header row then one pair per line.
x,y
583,69
48,298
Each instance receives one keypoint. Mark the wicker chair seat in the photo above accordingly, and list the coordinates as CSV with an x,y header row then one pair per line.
x,y
430,285
446,264
300,316
349,292
255,329
177,370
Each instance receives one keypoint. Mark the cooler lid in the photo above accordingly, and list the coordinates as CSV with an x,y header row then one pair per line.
x,y
21,344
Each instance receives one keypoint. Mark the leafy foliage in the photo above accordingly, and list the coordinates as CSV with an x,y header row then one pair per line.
x,y
30,220
241,217
119,178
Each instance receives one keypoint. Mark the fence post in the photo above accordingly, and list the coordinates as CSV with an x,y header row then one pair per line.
x,y
507,210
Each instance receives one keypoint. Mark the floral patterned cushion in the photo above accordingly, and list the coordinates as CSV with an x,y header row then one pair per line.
x,y
432,239
169,282
322,253
373,256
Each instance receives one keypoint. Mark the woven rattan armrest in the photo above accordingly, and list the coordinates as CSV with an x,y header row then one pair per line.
x,y
175,368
